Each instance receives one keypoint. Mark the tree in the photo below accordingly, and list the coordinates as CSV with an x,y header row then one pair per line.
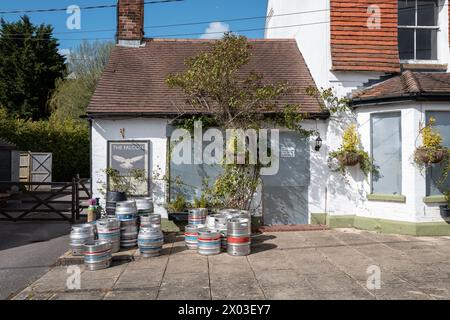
x,y
214,87
85,66
29,65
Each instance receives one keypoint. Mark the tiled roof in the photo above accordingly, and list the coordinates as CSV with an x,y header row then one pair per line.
x,y
407,85
4,144
134,80
360,42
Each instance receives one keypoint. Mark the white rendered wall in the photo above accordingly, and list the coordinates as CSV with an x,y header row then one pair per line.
x,y
153,130
413,179
312,33
350,197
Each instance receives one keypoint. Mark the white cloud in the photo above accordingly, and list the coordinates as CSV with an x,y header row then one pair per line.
x,y
215,30
64,52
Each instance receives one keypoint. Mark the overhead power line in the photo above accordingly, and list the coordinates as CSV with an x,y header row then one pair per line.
x,y
184,24
104,6
194,34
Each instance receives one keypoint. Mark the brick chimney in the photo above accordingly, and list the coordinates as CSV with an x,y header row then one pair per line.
x,y
130,22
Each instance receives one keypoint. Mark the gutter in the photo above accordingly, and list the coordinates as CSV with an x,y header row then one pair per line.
x,y
105,115
359,102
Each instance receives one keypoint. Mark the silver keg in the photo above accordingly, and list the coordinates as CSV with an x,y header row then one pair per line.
x,y
97,256
144,206
150,220
220,221
197,216
191,236
238,237
150,241
208,242
80,235
210,222
109,229
128,233
126,210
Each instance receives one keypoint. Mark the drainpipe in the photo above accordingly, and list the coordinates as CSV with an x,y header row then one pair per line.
x,y
90,156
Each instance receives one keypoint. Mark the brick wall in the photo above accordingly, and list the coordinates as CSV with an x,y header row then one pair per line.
x,y
130,20
357,47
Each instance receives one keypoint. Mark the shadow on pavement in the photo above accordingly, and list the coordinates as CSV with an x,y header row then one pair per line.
x,y
16,234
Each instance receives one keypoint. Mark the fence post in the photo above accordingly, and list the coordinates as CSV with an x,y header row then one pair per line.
x,y
77,203
74,199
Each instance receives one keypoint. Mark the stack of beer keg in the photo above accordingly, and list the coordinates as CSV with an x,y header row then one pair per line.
x,y
144,207
126,213
197,216
109,229
150,241
229,230
208,242
97,255
81,235
238,237
191,236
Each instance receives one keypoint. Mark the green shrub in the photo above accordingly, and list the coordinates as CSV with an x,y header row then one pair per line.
x,y
68,141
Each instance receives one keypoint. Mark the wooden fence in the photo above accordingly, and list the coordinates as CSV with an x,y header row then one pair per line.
x,y
61,201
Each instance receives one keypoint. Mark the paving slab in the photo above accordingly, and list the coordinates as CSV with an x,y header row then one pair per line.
x,y
185,286
140,278
143,294
225,266
78,296
155,263
236,287
290,265
28,294
332,283
54,280
269,260
187,263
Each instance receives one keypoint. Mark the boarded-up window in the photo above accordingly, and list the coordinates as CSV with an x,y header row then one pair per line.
x,y
387,153
435,183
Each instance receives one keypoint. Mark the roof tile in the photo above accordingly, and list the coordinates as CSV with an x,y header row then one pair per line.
x,y
134,81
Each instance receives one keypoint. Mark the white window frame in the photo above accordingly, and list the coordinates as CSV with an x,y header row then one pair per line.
x,y
416,27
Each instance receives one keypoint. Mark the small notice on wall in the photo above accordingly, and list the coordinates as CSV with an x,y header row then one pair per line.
x,y
287,152
126,156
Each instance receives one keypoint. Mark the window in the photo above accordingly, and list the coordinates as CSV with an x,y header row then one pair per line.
x,y
387,153
417,29
435,185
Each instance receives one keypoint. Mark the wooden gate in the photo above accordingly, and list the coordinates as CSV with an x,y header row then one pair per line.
x,y
36,167
46,201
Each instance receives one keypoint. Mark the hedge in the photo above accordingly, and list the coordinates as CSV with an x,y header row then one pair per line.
x,y
68,141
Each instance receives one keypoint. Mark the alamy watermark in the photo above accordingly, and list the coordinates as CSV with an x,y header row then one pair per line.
x,y
374,20
73,281
73,22
239,146
374,279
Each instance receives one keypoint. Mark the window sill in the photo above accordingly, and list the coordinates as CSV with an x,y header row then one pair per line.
x,y
386,198
434,199
419,65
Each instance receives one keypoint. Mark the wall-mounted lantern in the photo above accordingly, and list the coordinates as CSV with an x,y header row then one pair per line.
x,y
318,143
319,139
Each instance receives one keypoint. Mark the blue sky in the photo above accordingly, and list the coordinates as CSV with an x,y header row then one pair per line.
x,y
155,14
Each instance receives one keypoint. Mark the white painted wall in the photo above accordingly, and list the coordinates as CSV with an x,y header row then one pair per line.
x,y
312,32
153,130
413,179
350,197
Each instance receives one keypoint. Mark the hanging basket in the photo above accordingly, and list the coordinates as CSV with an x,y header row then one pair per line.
x,y
430,155
349,159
